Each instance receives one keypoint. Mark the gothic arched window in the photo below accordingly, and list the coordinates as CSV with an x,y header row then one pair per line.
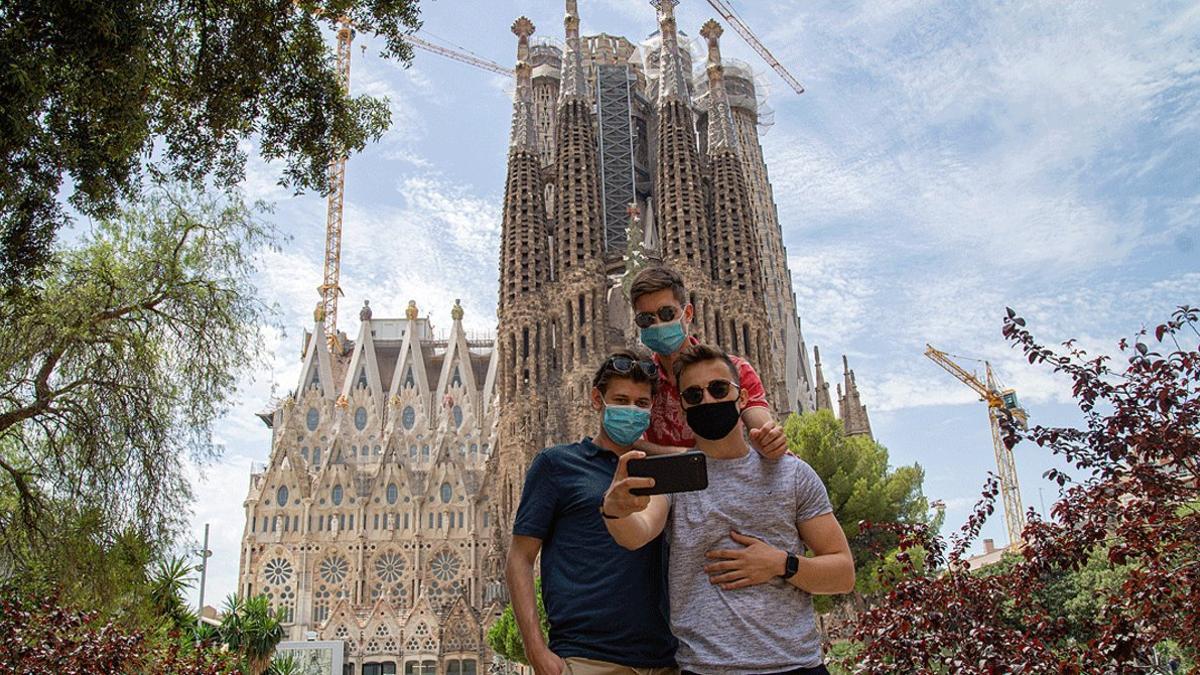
x,y
360,418
393,493
458,415
408,417
312,419
337,495
281,496
447,492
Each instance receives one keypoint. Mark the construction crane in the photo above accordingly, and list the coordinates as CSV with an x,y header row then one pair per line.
x,y
457,55
744,31
330,288
1000,403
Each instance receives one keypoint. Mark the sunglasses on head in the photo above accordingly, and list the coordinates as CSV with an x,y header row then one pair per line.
x,y
625,365
665,314
719,389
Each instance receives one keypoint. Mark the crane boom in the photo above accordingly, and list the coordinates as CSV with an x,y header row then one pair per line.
x,y
330,288
463,57
999,403
743,30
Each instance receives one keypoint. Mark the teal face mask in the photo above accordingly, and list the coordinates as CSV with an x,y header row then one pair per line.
x,y
624,424
664,338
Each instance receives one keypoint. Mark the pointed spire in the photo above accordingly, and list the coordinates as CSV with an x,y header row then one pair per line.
x,y
672,80
574,80
823,402
853,412
721,135
524,129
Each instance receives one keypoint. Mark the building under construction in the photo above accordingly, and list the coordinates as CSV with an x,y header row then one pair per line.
x,y
382,517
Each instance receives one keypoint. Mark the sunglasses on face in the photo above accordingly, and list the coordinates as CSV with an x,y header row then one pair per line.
x,y
719,389
625,365
665,314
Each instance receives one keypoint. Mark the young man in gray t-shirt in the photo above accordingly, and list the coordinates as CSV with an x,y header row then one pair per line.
x,y
740,585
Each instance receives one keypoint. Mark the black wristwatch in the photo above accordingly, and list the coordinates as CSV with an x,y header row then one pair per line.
x,y
791,566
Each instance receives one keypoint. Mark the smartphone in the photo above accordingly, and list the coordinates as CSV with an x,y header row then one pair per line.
x,y
681,472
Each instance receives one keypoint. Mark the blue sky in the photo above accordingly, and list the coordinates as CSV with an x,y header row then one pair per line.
x,y
947,160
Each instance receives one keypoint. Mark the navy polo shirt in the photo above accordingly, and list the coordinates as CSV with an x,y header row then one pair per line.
x,y
602,601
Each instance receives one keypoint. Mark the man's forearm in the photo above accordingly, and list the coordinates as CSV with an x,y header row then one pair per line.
x,y
830,574
756,416
656,449
631,532
519,574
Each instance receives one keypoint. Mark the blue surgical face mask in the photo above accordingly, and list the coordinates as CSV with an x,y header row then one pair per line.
x,y
664,338
624,424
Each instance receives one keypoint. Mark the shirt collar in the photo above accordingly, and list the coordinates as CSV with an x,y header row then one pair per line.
x,y
590,449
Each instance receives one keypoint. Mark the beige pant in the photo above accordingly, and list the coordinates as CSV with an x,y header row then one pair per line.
x,y
581,666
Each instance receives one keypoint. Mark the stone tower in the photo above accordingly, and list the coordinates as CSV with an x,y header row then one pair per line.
x,y
850,406
525,269
741,323
823,401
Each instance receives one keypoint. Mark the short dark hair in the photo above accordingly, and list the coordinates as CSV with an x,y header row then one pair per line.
x,y
657,278
606,373
693,354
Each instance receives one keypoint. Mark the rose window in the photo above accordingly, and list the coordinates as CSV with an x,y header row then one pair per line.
x,y
445,565
334,569
389,567
277,571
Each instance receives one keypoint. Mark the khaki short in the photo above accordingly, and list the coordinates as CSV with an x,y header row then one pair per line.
x,y
581,666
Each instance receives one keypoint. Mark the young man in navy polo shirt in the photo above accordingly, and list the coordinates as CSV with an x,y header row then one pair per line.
x,y
607,606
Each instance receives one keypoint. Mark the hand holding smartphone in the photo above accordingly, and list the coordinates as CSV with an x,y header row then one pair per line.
x,y
682,472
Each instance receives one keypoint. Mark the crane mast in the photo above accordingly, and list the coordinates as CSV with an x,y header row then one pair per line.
x,y
1000,403
330,288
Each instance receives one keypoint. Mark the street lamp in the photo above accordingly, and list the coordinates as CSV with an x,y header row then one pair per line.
x,y
204,554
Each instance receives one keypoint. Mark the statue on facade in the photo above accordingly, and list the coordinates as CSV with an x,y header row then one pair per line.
x,y
456,312
411,310
364,314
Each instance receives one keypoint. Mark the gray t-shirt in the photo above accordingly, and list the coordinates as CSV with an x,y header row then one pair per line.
x,y
765,628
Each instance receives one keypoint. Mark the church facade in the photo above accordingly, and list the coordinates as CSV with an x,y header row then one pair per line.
x,y
381,518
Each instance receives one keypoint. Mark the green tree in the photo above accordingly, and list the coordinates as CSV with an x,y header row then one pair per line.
x,y
504,637
252,630
862,487
105,93
111,373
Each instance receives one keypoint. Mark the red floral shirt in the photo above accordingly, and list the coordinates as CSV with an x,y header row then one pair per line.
x,y
668,424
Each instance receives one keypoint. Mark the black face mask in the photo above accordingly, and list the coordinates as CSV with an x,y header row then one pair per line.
x,y
713,421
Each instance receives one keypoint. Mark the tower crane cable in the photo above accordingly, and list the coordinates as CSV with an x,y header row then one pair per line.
x,y
751,39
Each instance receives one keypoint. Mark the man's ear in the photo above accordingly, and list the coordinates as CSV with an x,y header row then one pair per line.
x,y
689,312
597,399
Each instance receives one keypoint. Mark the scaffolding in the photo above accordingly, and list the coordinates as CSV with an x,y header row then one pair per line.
x,y
614,100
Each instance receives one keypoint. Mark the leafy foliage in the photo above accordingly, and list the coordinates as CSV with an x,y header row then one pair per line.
x,y
112,372
39,634
862,487
1112,582
102,93
251,629
504,637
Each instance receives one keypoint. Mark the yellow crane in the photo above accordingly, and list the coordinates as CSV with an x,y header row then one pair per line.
x,y
330,288
1000,403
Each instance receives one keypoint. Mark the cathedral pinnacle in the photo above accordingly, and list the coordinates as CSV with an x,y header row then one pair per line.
x,y
524,129
721,135
574,80
672,80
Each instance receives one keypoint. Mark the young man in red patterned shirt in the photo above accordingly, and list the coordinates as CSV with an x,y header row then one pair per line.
x,y
663,316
